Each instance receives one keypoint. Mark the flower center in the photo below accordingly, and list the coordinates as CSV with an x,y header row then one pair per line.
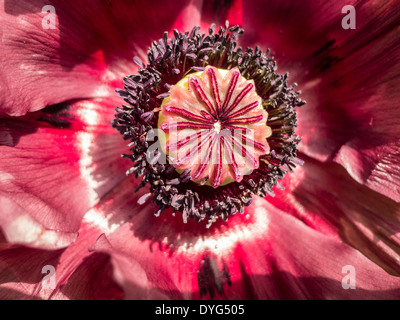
x,y
212,125
215,126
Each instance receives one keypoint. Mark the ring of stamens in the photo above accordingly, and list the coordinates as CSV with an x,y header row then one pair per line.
x,y
169,61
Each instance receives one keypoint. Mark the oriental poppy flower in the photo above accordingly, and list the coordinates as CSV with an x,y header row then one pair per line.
x,y
72,225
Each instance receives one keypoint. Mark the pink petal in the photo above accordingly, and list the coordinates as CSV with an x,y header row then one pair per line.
x,y
349,79
377,167
21,271
187,17
85,56
326,198
304,264
86,274
264,254
129,274
44,66
115,209
371,152
219,11
91,280
54,166
355,103
77,273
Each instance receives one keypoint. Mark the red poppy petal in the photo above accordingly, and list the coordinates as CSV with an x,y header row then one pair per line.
x,y
92,280
220,11
348,77
85,56
114,210
21,270
328,199
306,38
279,259
263,254
371,151
304,264
355,103
72,273
129,274
55,165
294,31
84,274
43,66
377,167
